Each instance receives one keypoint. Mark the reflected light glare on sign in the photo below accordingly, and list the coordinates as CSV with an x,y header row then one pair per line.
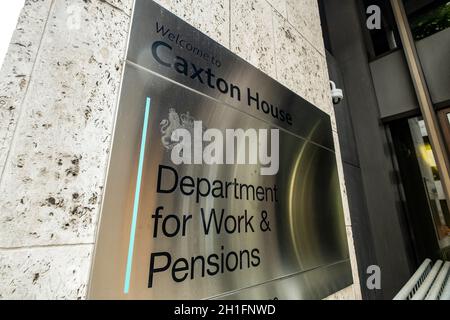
x,y
292,190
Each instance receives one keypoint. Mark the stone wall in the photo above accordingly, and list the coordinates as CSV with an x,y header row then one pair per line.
x,y
60,84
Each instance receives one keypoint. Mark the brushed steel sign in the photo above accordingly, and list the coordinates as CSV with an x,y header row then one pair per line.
x,y
191,228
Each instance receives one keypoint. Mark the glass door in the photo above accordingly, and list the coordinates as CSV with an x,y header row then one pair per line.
x,y
427,212
432,181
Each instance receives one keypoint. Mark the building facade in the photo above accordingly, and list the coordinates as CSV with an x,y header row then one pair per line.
x,y
395,184
60,90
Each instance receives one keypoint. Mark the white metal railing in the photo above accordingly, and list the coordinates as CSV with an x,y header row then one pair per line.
x,y
438,285
445,294
428,283
410,288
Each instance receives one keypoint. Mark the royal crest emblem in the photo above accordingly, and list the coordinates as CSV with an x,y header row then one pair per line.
x,y
173,122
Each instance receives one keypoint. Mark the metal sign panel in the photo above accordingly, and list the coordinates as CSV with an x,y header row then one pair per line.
x,y
209,230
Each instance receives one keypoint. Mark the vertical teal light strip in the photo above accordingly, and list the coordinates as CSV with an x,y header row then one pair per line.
x,y
136,199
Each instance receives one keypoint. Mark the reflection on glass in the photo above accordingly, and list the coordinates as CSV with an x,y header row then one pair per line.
x,y
431,179
430,20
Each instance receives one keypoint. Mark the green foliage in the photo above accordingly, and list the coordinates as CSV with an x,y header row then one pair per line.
x,y
431,22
